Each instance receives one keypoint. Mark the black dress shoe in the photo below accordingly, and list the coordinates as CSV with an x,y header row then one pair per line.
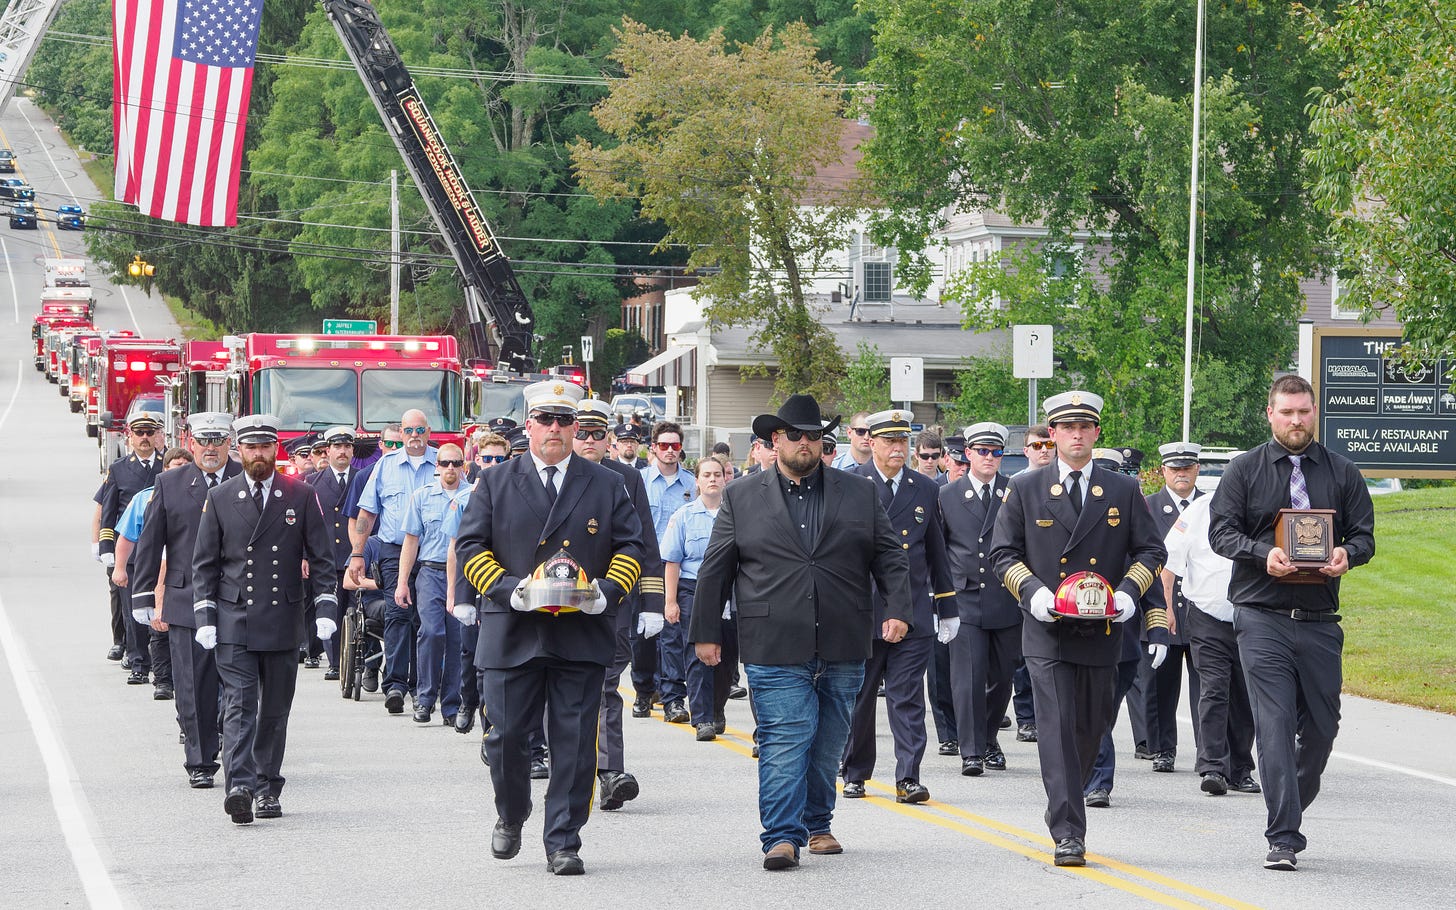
x,y
1163,762
707,732
642,706
505,840
310,663
1245,783
1026,733
370,681
332,674
911,791
449,719
1140,750
239,805
1006,721
755,750
1071,852
163,692
854,789
617,787
465,720
269,807
564,862
139,678
302,655
1100,798
737,692
423,715
199,780
115,652
719,725
540,769
995,759
484,758
125,662
1214,783
394,702
950,747
675,712
972,766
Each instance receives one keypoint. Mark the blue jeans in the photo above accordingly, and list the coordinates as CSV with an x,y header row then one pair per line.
x,y
698,675
803,723
399,627
437,645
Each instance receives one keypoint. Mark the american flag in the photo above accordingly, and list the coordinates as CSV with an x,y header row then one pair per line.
x,y
184,74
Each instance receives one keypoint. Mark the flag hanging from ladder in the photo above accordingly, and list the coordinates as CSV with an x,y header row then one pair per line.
x,y
183,78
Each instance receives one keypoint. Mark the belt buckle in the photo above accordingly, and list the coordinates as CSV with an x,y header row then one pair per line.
x,y
1298,615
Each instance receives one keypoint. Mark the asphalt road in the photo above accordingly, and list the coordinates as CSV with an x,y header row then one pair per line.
x,y
95,809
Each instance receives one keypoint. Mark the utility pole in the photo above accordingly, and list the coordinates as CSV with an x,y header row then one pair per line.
x,y
394,252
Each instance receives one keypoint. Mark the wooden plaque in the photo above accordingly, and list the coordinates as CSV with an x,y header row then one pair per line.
x,y
1307,536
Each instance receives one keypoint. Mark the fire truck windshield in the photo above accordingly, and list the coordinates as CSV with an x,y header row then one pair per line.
x,y
389,393
304,398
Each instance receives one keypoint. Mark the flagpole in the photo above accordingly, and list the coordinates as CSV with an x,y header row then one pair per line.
x,y
1192,229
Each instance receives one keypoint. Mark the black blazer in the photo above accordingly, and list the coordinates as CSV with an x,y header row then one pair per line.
x,y
247,569
1039,539
170,527
333,499
127,476
650,584
983,600
794,605
915,518
1164,506
510,527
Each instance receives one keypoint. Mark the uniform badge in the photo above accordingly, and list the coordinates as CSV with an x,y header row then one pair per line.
x,y
592,527
1096,490
920,515
1056,489
289,517
1114,517
1043,522
1167,509
242,495
687,496
970,495
1005,492
277,494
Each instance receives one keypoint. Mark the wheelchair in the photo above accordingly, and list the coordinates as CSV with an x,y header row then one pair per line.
x,y
363,621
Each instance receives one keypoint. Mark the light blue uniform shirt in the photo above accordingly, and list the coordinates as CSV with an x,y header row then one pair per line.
x,y
390,486
665,496
428,507
130,525
686,540
450,526
844,461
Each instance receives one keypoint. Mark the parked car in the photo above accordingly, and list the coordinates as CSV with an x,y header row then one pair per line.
x,y
651,408
15,188
7,161
22,215
70,217
1378,486
1211,464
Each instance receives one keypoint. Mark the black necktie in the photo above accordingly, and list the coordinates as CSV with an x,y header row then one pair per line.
x,y
211,481
1074,491
258,495
889,491
1182,504
986,495
551,483
342,482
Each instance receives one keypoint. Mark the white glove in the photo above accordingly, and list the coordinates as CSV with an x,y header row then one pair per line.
x,y
465,613
946,629
96,550
108,560
142,615
325,628
207,637
1041,605
518,597
599,602
649,624
1158,653
1126,606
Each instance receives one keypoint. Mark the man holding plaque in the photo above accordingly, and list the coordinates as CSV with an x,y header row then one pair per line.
x,y
1067,535
1293,516
552,544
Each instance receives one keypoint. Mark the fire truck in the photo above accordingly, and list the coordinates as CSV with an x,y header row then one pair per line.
x,y
89,370
125,370
70,295
56,315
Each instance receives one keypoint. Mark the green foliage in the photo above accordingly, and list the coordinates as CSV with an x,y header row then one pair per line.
x,y
720,142
986,390
866,384
1381,153
620,349
73,79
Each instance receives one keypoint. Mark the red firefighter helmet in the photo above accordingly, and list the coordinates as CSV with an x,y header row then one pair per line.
x,y
1085,595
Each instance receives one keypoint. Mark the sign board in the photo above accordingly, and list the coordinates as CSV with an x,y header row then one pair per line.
x,y
1031,351
907,378
351,327
1390,417
586,349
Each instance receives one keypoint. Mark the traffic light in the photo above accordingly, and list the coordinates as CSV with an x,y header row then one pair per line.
x,y
139,267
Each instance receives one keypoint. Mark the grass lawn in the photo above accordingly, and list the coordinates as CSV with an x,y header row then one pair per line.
x,y
1400,615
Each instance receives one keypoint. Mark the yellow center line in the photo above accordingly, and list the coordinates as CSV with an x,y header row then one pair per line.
x,y
49,234
990,831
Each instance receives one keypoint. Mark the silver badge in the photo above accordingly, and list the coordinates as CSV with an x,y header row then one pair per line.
x,y
1167,508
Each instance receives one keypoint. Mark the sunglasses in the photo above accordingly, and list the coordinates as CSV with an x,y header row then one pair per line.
x,y
392,443
416,431
860,431
668,446
929,456
491,459
211,441
450,462
794,435
987,453
598,435
143,432
561,420
1044,445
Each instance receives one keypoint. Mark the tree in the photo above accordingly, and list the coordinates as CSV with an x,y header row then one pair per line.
x,y
1080,121
720,143
866,385
1382,160
986,390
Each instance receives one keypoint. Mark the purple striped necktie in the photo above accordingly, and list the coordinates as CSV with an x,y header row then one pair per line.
x,y
1298,492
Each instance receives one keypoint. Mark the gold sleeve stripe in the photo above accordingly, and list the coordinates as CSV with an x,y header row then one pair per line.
x,y
482,570
946,594
1157,618
1141,577
108,534
624,570
1016,576
652,585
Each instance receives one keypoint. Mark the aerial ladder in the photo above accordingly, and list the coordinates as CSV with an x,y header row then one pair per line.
x,y
21,28
500,316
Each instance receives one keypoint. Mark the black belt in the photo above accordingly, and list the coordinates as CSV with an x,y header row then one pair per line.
x,y
432,565
1300,615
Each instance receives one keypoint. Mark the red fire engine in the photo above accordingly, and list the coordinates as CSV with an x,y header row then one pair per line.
x,y
126,369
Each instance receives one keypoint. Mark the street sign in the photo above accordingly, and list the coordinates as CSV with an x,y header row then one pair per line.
x,y
1031,351
351,327
586,349
1391,417
907,378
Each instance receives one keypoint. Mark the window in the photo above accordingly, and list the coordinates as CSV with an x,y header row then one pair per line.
x,y
879,281
306,398
1337,311
389,393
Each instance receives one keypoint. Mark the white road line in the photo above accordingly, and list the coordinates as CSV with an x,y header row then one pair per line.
x,y
44,147
14,294
126,299
60,775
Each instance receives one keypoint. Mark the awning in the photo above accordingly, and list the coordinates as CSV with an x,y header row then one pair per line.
x,y
676,366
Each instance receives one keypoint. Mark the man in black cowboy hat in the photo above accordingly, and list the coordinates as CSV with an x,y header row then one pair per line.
x,y
800,545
